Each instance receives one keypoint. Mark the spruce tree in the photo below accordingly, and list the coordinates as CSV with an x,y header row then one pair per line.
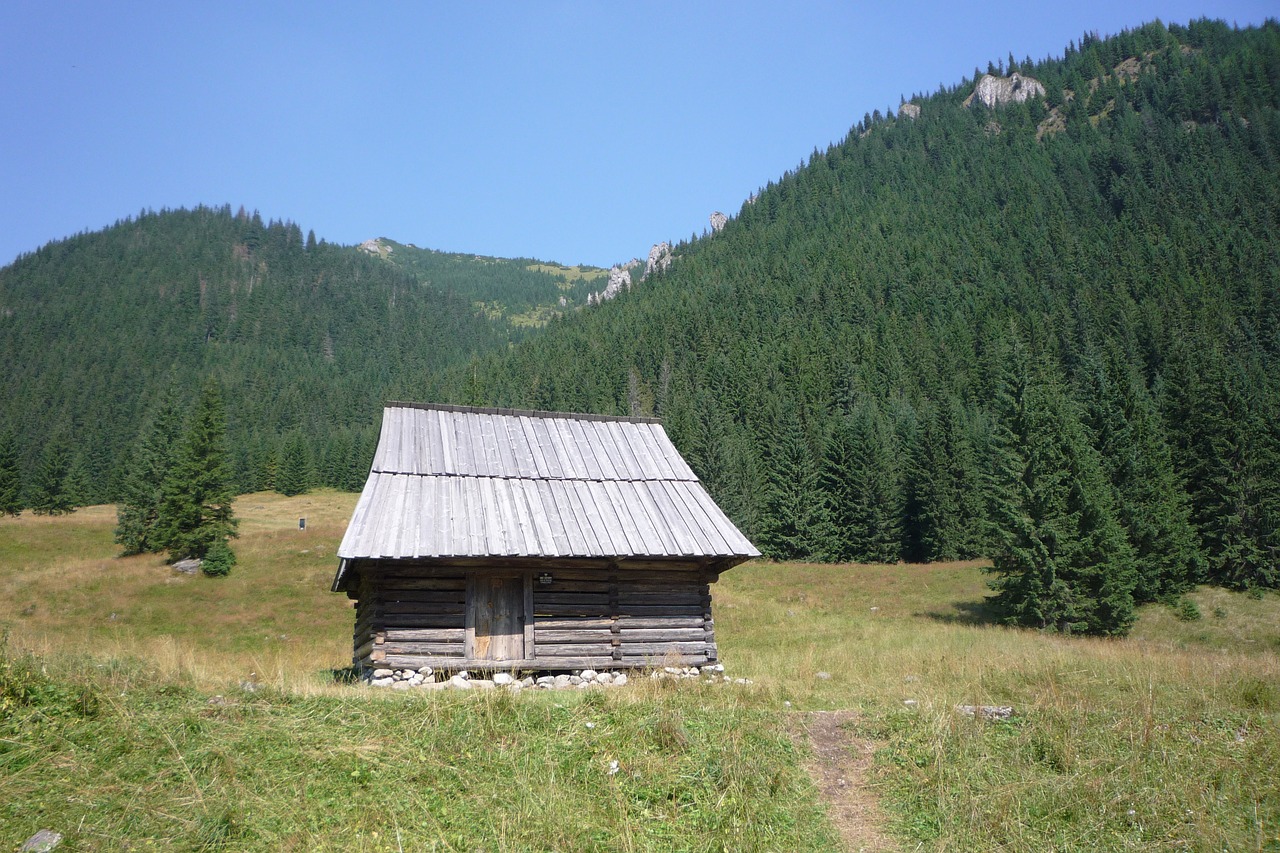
x,y
859,482
792,519
1151,504
10,476
138,515
294,474
1062,561
49,495
195,509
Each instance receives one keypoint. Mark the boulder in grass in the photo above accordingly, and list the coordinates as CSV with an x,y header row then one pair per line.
x,y
42,842
986,712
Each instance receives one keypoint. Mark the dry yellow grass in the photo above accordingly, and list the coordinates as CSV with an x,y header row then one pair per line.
x,y
1169,737
273,620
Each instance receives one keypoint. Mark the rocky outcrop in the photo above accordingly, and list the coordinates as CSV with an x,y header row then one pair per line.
x,y
375,247
619,280
909,111
659,259
993,91
718,221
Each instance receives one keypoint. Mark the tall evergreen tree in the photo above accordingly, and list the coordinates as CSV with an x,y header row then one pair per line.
x,y
294,474
859,481
196,507
138,515
49,494
944,502
10,476
792,519
1151,504
1062,561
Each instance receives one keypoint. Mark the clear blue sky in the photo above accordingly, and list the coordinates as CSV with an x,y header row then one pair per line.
x,y
575,132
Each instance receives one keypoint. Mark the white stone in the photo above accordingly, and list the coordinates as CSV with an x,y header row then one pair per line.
x,y
619,679
407,673
460,683
383,673
588,675
545,679
383,682
659,259
415,681
527,681
584,685
575,679
426,670
562,680
997,91
503,678
824,676
462,673
604,678
401,685
718,221
482,683
910,703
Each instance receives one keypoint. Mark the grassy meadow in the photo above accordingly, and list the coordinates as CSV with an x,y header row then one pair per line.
x,y
125,722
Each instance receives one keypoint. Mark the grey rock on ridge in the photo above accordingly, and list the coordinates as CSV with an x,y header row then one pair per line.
x,y
994,91
909,110
659,259
619,279
718,221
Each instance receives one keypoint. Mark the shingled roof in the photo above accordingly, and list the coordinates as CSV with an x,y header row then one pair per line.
x,y
450,481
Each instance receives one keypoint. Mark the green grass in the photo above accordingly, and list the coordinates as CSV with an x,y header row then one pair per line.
x,y
1166,739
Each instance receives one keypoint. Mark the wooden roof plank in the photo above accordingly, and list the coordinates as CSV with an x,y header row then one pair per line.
x,y
562,445
452,481
536,456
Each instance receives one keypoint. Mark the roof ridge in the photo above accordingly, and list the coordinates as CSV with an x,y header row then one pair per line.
x,y
693,478
522,413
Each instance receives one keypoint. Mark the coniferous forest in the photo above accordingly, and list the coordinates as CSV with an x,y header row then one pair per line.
x,y
1045,332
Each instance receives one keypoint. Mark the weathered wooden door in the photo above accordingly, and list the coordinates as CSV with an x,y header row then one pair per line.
x,y
495,606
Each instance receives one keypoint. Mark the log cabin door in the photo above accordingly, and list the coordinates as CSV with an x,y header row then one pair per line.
x,y
495,617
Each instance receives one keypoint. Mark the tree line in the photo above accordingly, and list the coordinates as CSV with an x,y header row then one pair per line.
x,y
964,335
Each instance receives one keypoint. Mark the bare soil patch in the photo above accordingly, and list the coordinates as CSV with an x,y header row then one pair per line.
x,y
840,767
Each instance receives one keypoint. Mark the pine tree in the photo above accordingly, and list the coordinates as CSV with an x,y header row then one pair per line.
x,y
791,523
1151,504
1062,561
294,474
153,457
859,482
196,509
10,476
49,495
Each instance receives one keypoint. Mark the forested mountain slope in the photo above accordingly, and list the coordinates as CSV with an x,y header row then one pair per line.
x,y
1046,331
524,292
307,340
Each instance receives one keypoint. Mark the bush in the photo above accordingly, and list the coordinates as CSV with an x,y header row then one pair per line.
x,y
1186,610
219,560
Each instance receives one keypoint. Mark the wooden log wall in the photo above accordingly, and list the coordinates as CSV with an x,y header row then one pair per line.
x,y
624,618
403,616
587,617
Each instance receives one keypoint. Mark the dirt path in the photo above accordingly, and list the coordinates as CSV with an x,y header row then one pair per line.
x,y
840,767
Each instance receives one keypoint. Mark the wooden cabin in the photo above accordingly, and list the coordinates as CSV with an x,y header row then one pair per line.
x,y
542,541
